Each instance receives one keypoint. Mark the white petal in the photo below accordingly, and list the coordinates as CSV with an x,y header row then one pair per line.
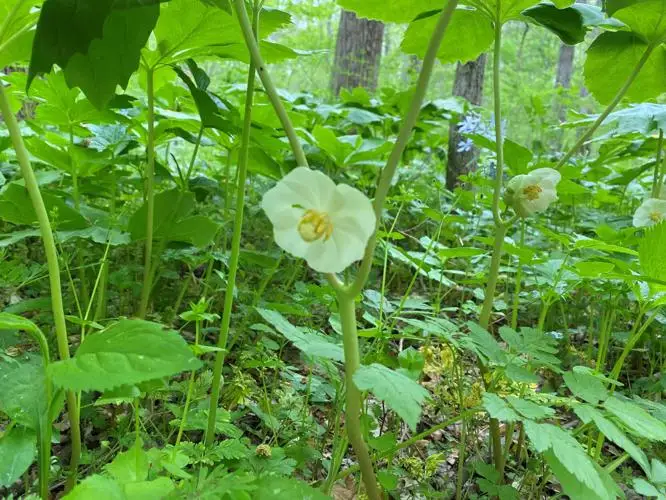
x,y
290,241
516,183
310,188
325,256
546,175
541,204
350,204
642,216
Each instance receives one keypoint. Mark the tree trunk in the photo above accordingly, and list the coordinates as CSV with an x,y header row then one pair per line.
x,y
468,84
565,66
358,51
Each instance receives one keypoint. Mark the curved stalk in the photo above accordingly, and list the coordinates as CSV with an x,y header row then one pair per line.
x,y
403,138
271,90
235,240
609,109
500,231
54,271
150,197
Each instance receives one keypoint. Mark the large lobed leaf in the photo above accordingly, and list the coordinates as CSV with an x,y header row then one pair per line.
x,y
652,252
126,353
397,11
402,394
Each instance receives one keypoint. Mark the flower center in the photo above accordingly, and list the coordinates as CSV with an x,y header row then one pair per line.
x,y
656,217
315,225
532,192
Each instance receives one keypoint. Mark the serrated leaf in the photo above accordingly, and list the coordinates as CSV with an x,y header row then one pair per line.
x,y
311,343
530,409
126,353
585,385
17,452
611,431
469,34
399,392
497,408
570,24
636,419
483,344
577,489
23,391
652,252
646,17
231,449
547,437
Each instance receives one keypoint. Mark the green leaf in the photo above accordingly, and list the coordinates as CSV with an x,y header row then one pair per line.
x,y
572,456
611,431
497,408
126,353
16,38
129,466
585,385
472,26
113,58
23,391
171,221
570,24
97,486
96,43
646,17
16,207
652,252
509,9
399,392
412,361
529,409
396,11
483,344
310,342
517,156
17,452
190,29
274,487
15,322
209,106
149,490
636,419
611,59
577,489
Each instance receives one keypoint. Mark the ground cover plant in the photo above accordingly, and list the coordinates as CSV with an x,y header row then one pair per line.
x,y
224,275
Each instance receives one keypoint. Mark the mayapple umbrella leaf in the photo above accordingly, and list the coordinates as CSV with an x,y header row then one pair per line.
x,y
652,211
326,224
532,193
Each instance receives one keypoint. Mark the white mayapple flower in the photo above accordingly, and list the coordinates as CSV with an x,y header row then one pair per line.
x,y
651,212
327,225
533,192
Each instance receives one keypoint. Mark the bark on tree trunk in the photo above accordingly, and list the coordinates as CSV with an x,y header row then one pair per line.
x,y
358,52
468,84
565,66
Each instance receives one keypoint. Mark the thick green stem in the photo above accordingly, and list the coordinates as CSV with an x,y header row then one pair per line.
x,y
235,242
518,282
656,182
493,274
347,308
403,138
197,145
54,270
609,109
150,197
269,86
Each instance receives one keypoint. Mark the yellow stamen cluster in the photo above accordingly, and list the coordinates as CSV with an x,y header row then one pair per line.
x,y
656,217
315,225
532,192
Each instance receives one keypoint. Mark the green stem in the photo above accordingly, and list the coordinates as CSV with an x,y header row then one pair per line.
x,y
403,138
500,232
518,282
54,271
150,196
197,144
634,338
236,238
609,109
271,90
347,307
656,182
